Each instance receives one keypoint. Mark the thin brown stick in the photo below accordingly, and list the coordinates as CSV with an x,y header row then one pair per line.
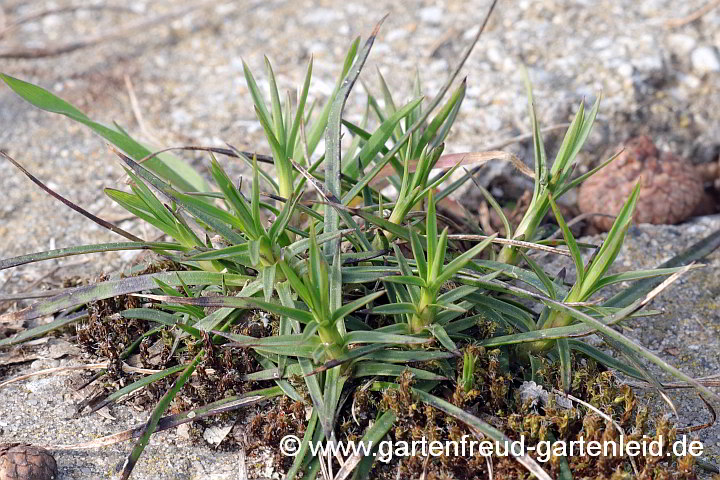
x,y
514,243
603,415
77,208
705,9
579,218
11,297
166,423
500,144
135,106
92,366
58,11
710,381
49,371
120,34
35,283
702,426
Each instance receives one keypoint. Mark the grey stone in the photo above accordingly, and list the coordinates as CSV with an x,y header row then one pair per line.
x,y
431,15
681,44
705,59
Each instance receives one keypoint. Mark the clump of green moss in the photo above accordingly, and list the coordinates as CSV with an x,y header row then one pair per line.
x,y
284,417
491,400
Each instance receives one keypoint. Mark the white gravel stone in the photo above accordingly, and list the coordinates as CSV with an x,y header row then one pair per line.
x,y
705,59
431,15
681,43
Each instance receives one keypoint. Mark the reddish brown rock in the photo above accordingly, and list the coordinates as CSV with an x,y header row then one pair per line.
x,y
26,462
671,188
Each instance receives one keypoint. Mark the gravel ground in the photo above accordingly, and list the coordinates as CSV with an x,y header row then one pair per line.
x,y
187,75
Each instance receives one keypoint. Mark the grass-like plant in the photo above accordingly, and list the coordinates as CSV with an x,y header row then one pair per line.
x,y
352,294
418,299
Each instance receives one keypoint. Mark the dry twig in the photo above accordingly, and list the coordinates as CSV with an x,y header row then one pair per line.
x,y
57,11
705,9
119,34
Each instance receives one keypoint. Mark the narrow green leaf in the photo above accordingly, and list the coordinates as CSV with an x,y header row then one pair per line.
x,y
255,201
333,162
570,241
611,246
565,364
241,253
161,317
633,276
218,219
566,187
156,415
302,100
171,168
398,308
431,231
455,294
633,347
585,130
441,335
301,316
371,369
405,356
564,159
304,447
350,307
313,385
541,171
100,291
373,436
459,262
377,140
276,106
136,385
41,330
418,253
431,131
405,280
85,249
268,275
641,288
319,126
542,276
604,358
260,107
382,337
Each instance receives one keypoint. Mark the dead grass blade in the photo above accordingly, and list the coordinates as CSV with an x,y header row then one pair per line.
x,y
171,421
606,417
120,34
77,208
100,291
59,11
695,15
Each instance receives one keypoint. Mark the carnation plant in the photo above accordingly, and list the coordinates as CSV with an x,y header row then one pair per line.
x,y
356,294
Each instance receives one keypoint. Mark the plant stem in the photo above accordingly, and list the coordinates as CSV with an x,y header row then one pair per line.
x,y
424,315
525,231
555,319
333,341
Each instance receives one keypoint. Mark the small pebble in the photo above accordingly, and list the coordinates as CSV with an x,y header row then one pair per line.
x,y
681,44
705,59
431,15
